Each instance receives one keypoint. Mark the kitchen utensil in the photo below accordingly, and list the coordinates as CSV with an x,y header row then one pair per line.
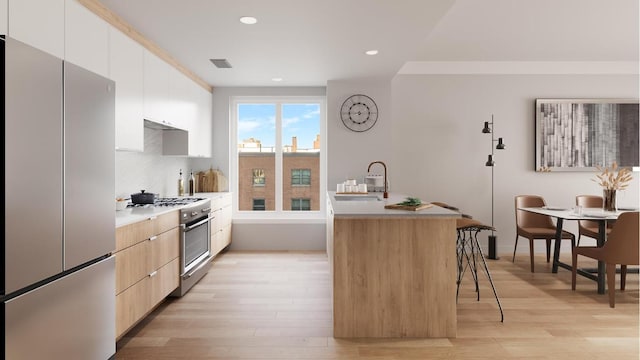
x,y
143,197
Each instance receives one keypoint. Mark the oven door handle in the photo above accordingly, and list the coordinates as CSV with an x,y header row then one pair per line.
x,y
193,271
188,228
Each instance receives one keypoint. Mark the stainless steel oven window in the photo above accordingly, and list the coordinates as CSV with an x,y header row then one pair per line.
x,y
196,244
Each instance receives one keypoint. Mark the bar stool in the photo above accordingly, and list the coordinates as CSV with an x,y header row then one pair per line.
x,y
469,252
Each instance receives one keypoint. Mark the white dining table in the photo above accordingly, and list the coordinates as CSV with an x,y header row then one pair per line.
x,y
594,214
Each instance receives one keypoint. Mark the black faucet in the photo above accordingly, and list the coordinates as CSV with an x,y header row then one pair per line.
x,y
386,194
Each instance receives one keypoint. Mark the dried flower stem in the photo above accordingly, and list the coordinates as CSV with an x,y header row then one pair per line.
x,y
614,178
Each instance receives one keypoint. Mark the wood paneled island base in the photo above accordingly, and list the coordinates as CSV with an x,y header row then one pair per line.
x,y
393,277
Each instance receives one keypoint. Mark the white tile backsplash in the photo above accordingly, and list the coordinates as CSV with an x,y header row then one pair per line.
x,y
149,170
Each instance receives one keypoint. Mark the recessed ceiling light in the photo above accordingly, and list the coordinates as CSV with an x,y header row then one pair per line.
x,y
371,52
249,20
276,79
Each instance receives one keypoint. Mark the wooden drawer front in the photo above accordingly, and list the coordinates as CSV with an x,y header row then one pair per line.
x,y
166,222
216,242
164,281
221,202
225,200
165,248
215,221
132,264
131,305
220,239
132,234
215,204
226,235
224,216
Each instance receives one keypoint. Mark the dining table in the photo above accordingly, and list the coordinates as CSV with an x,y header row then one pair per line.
x,y
594,214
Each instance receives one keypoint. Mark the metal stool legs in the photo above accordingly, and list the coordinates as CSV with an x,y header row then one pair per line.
x,y
469,251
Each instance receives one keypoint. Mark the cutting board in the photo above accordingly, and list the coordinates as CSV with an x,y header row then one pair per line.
x,y
407,207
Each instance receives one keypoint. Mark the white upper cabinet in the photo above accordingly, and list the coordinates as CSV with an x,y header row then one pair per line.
x,y
3,16
39,23
182,105
157,104
86,38
205,116
200,132
126,64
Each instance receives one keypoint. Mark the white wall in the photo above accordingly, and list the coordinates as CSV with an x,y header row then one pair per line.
x,y
439,151
349,152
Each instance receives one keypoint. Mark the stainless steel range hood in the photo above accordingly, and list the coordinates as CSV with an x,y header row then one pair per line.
x,y
158,126
175,142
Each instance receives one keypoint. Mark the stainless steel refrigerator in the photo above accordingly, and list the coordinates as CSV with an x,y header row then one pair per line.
x,y
58,285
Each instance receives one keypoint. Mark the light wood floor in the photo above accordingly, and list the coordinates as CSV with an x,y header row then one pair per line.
x,y
277,306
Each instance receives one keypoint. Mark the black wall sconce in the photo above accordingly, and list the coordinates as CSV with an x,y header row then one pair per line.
x,y
488,129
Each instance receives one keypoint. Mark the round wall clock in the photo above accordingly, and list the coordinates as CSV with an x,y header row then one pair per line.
x,y
359,113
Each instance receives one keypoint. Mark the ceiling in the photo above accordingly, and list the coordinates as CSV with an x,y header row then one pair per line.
x,y
309,42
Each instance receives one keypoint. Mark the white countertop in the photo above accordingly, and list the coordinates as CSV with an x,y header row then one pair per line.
x,y
376,208
135,214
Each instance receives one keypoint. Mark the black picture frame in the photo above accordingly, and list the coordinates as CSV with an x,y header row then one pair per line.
x,y
583,134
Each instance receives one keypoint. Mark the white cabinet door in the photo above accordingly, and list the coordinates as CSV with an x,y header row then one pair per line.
x,y
182,104
39,23
3,16
204,123
86,39
126,61
156,88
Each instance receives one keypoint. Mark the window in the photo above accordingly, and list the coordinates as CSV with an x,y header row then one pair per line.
x,y
258,177
258,205
300,176
279,138
300,204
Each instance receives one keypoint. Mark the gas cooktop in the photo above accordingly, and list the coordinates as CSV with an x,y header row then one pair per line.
x,y
175,201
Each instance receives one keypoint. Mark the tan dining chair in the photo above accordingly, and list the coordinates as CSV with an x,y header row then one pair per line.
x,y
621,248
535,226
589,228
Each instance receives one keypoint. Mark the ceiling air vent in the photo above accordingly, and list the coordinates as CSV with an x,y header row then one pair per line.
x,y
221,63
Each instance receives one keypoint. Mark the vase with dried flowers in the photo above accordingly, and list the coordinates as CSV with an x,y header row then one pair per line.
x,y
612,179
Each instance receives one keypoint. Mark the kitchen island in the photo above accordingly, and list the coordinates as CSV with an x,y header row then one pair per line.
x,y
393,271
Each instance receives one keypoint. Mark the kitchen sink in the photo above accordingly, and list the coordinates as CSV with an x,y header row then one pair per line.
x,y
357,198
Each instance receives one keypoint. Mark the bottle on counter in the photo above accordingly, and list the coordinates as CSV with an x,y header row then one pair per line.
x,y
180,185
192,184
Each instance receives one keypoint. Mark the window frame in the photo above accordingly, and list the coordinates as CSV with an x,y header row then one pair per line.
x,y
278,214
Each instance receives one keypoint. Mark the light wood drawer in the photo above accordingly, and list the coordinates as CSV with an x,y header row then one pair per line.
x,y
132,264
164,248
220,239
224,216
131,305
164,281
166,222
132,234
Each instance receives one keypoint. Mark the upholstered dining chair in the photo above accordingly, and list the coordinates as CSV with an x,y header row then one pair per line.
x,y
621,248
589,228
535,226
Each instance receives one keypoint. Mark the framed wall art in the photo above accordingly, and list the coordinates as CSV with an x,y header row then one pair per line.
x,y
582,134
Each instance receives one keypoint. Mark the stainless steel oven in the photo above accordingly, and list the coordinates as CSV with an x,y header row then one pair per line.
x,y
195,244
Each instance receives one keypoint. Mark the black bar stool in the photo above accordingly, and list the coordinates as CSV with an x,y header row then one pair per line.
x,y
469,251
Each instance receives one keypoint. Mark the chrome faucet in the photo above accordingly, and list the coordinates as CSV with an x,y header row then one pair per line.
x,y
386,188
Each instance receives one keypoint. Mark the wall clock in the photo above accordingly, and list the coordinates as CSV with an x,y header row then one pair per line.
x,y
359,113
